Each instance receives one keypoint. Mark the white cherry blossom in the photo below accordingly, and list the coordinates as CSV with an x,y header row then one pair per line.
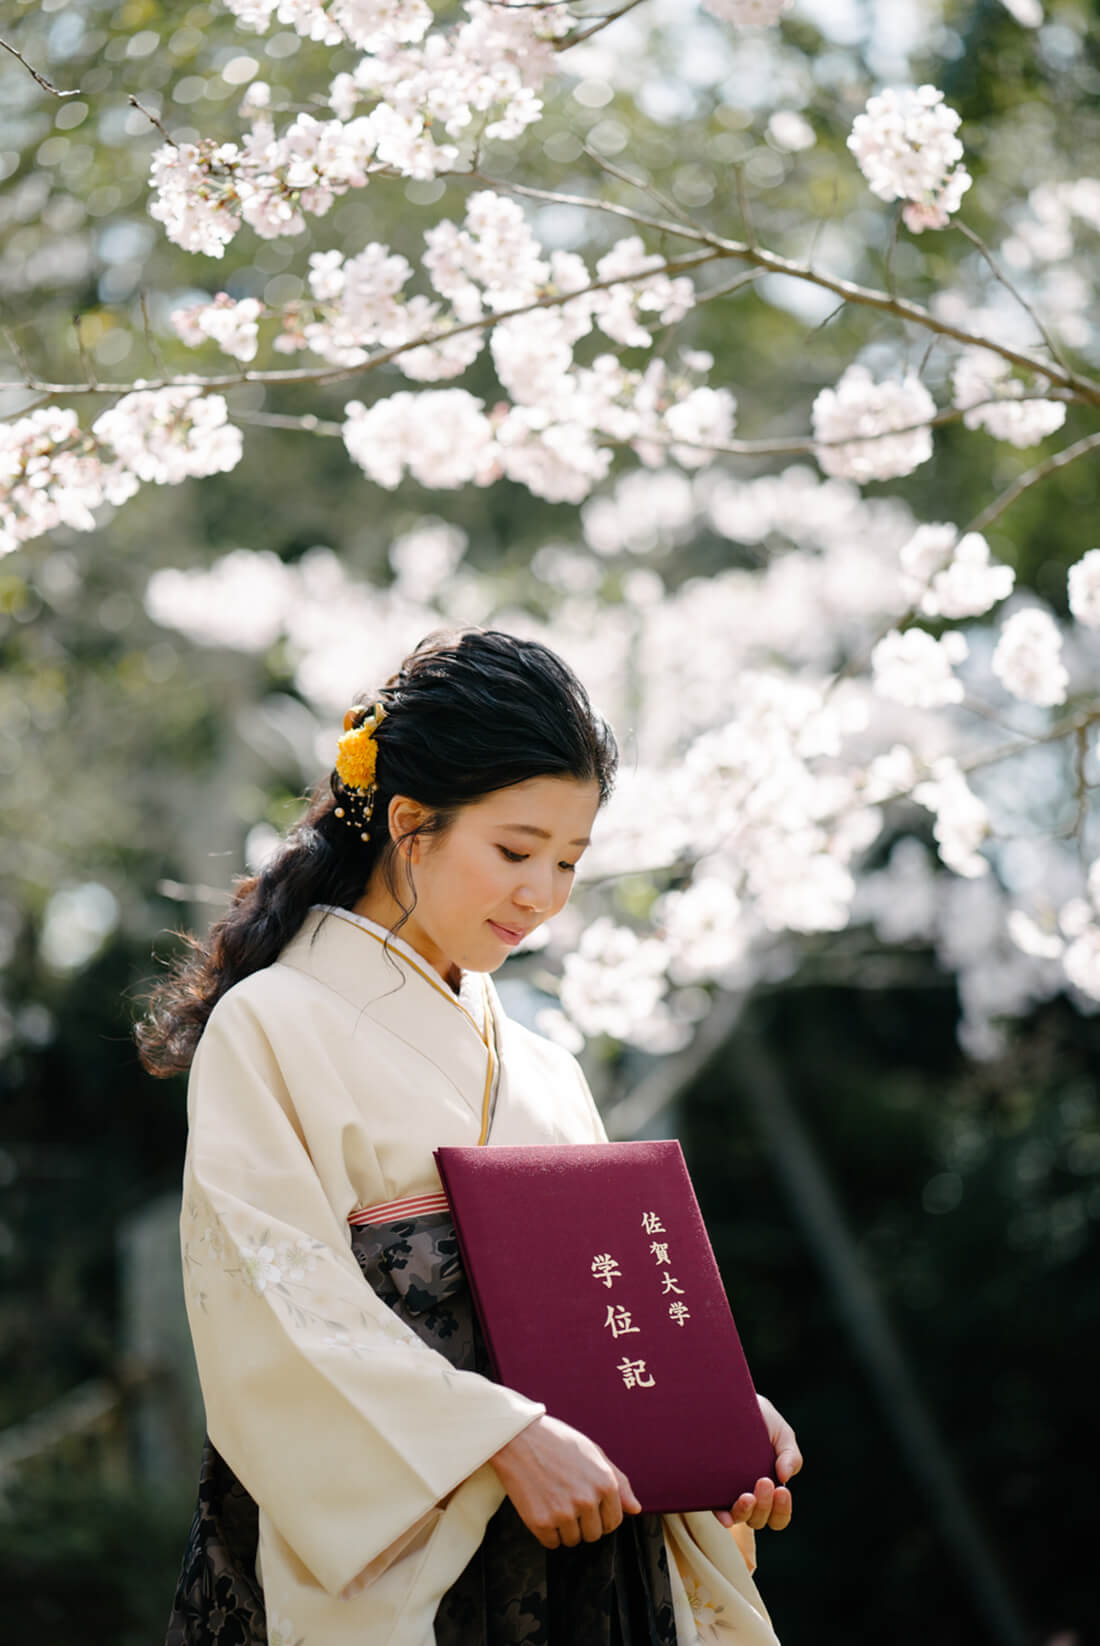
x,y
441,437
952,577
1084,589
233,326
962,820
1027,659
1081,961
53,474
915,668
905,145
980,375
167,435
860,407
613,980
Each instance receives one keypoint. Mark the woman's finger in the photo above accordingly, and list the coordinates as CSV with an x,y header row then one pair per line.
x,y
788,1455
762,1507
782,1507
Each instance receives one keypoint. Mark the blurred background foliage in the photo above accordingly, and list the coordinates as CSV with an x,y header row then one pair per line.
x,y
131,782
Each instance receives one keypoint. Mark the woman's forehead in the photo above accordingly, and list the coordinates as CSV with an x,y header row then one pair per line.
x,y
544,805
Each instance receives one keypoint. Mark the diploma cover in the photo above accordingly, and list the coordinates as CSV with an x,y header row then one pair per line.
x,y
599,1295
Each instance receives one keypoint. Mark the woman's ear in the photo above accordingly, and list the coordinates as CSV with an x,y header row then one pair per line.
x,y
405,816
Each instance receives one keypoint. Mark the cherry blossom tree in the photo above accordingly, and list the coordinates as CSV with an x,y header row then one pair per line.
x,y
858,717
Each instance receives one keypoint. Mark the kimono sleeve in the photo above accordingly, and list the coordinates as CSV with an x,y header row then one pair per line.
x,y
338,1420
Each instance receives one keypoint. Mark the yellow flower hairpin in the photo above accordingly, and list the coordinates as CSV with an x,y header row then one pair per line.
x,y
357,752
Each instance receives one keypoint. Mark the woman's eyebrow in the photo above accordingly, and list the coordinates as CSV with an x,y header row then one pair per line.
x,y
543,834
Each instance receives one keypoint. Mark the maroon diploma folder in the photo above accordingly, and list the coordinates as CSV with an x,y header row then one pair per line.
x,y
598,1294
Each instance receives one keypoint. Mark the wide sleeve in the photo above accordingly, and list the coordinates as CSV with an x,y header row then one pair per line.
x,y
338,1420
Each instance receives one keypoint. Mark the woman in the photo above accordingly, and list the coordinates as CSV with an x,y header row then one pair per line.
x,y
364,1480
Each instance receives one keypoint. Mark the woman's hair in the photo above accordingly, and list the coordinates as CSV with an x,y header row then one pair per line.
x,y
469,711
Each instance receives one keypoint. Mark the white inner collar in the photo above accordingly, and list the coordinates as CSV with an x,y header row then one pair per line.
x,y
470,993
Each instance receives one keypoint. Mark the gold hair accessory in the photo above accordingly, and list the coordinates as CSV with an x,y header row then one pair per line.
x,y
356,762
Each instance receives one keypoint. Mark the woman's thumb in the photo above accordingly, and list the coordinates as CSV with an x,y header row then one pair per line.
x,y
626,1494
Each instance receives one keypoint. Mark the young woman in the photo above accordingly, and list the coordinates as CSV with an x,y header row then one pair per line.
x,y
364,1481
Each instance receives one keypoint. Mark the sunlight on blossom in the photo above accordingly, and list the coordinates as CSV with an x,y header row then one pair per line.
x,y
703,927
915,668
858,406
950,578
905,146
425,557
49,478
1027,659
613,980
1083,582
1032,938
962,820
441,437
981,376
242,600
166,435
646,509
231,325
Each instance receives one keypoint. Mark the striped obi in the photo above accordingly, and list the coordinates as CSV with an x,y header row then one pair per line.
x,y
394,1211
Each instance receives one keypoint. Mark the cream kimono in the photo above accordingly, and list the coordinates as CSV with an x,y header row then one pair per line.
x,y
320,1086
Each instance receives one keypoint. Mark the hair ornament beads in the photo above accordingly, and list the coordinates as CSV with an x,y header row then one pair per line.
x,y
356,762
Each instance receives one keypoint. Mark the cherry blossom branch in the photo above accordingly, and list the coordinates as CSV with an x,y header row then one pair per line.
x,y
305,423
165,133
586,34
47,85
769,262
1022,483
1080,720
1081,793
1069,454
308,423
999,275
339,374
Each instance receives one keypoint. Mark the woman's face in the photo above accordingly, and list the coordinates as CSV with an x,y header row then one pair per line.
x,y
504,866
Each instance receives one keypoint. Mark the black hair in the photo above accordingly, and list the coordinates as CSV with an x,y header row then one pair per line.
x,y
469,711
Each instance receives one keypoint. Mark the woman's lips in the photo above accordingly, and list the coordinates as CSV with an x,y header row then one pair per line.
x,y
506,933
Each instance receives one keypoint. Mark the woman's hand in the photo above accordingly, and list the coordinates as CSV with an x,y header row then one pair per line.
x,y
769,1505
564,1487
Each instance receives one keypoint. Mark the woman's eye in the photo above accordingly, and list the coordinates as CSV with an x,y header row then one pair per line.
x,y
520,857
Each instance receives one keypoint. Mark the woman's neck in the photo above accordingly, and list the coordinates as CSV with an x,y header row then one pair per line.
x,y
378,905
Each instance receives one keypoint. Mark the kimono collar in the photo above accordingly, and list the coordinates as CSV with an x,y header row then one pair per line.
x,y
348,955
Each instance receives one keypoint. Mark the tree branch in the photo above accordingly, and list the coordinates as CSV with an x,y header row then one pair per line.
x,y
47,85
999,275
586,34
339,374
768,262
1068,454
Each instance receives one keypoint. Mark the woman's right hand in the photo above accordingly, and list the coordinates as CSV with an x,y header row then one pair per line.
x,y
564,1488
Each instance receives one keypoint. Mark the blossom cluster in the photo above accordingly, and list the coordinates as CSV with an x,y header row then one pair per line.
x,y
856,419
54,473
760,784
1028,657
491,64
952,576
905,146
992,399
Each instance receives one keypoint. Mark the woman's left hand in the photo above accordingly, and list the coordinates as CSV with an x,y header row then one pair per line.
x,y
769,1505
